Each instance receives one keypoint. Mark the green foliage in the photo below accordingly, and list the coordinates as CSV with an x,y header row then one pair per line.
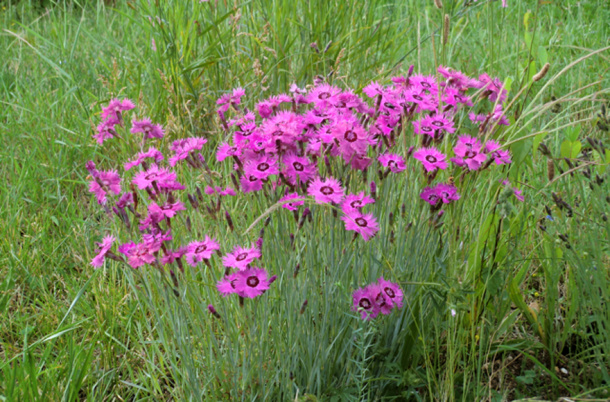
x,y
521,285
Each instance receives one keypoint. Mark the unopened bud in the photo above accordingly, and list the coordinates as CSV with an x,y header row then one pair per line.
x,y
540,75
212,310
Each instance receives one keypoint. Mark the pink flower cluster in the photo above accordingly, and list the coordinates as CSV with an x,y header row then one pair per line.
x,y
381,297
294,148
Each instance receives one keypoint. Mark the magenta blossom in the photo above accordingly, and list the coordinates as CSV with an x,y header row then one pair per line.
x,y
104,247
468,153
431,158
292,201
226,285
201,250
392,292
326,191
106,130
250,183
500,156
225,150
115,109
146,127
152,153
393,161
182,148
298,167
168,210
103,182
241,257
363,301
262,167
365,225
355,202
252,282
163,177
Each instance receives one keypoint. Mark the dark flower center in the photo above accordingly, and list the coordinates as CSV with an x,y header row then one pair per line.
x,y
151,176
380,300
166,207
431,158
341,104
392,163
252,281
241,256
426,85
277,133
470,154
433,198
426,129
361,222
324,95
201,249
458,98
298,166
263,166
389,292
417,97
326,190
356,204
389,105
365,303
350,136
232,150
252,178
445,195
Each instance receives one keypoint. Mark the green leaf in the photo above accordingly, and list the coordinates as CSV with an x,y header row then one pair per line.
x,y
570,149
543,56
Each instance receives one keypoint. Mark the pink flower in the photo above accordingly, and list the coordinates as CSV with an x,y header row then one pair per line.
x,y
456,79
225,150
431,158
106,130
365,225
141,253
392,292
363,302
429,195
226,285
424,83
146,127
500,156
447,192
104,247
201,250
182,148
393,161
250,183
152,153
252,282
322,95
468,152
261,168
290,201
115,109
163,177
241,257
103,182
298,167
373,90
326,191
355,202
167,210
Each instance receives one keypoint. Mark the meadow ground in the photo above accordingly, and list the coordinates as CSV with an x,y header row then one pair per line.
x,y
503,299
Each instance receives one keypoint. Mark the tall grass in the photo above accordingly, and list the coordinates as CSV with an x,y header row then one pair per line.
x,y
70,332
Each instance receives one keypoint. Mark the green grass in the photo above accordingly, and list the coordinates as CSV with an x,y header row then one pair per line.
x,y
526,304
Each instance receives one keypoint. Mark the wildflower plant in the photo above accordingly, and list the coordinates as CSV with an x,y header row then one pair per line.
x,y
323,152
